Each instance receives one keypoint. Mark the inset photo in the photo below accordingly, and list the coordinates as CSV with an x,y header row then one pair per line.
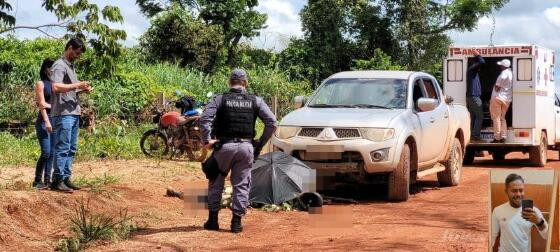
x,y
554,239
521,207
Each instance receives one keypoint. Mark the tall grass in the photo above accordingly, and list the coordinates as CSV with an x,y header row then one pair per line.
x,y
134,87
89,227
111,140
19,151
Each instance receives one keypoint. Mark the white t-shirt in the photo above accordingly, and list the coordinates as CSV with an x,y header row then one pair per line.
x,y
515,232
505,81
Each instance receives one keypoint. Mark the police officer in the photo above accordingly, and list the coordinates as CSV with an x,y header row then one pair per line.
x,y
232,117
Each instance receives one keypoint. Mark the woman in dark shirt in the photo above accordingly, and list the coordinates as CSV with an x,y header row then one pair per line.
x,y
43,127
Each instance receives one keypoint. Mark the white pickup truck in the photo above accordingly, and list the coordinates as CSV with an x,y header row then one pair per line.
x,y
377,126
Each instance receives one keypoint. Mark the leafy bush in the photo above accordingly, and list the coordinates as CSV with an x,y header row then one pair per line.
x,y
119,100
132,90
176,35
379,61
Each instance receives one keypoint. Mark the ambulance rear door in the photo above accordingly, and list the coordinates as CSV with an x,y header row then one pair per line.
x,y
455,79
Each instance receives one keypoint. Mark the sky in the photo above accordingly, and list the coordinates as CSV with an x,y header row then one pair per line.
x,y
519,22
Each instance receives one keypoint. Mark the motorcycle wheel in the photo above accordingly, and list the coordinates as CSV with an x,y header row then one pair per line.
x,y
196,150
154,144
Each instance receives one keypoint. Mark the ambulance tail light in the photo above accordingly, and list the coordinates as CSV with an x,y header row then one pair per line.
x,y
522,133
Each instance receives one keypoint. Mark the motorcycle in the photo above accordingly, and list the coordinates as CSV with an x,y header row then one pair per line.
x,y
177,133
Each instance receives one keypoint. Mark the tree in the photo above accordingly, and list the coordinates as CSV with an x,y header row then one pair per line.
x,y
150,8
176,36
371,30
296,60
379,61
237,18
336,32
421,25
339,35
5,18
103,39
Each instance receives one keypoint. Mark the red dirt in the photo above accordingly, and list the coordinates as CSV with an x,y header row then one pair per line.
x,y
434,219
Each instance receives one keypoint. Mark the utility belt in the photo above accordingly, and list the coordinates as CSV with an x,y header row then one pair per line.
x,y
221,141
235,140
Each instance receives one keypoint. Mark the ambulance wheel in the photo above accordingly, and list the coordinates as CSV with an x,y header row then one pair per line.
x,y
537,154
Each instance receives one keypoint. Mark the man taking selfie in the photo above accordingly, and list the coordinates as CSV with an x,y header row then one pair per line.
x,y
513,222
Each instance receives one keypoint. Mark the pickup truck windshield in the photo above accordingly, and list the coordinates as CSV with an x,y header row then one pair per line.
x,y
361,93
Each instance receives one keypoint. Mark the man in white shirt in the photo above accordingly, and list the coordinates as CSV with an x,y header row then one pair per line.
x,y
513,224
502,96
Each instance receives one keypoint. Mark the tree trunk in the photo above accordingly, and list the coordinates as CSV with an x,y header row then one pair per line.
x,y
231,50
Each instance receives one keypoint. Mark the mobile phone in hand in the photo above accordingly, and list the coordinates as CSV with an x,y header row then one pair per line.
x,y
527,203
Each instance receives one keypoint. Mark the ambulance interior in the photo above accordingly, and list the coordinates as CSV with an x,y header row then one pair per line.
x,y
488,74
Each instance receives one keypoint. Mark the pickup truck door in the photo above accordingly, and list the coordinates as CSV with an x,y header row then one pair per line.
x,y
434,124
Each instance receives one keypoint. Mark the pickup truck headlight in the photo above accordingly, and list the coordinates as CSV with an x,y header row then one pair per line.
x,y
285,132
377,134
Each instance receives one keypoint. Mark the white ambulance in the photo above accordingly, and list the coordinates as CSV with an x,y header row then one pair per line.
x,y
533,118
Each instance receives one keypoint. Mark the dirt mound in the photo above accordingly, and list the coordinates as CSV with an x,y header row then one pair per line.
x,y
32,220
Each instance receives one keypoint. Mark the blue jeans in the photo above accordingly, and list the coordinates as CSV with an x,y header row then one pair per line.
x,y
45,161
66,145
474,104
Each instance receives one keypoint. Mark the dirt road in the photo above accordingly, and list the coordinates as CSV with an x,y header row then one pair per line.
x,y
434,219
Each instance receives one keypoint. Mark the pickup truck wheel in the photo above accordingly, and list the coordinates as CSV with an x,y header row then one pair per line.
x,y
469,157
399,179
537,154
452,173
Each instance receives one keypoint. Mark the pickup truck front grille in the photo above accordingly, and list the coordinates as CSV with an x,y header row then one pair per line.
x,y
347,133
310,132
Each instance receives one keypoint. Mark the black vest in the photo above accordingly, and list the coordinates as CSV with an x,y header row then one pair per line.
x,y
236,116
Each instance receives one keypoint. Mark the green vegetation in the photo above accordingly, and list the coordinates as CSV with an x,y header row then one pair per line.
x,y
122,103
227,21
338,33
131,92
96,182
89,227
192,45
109,141
81,19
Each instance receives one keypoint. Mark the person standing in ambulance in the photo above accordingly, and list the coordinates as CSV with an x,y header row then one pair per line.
x,y
502,95
474,91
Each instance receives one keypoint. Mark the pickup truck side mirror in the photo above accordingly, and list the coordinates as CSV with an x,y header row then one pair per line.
x,y
427,104
299,101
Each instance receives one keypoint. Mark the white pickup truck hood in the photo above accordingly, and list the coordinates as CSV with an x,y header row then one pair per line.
x,y
341,117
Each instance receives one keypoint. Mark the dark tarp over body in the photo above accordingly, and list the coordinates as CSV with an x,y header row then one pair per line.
x,y
277,177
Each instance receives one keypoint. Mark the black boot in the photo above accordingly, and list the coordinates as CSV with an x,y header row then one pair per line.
x,y
54,183
236,224
212,222
39,185
70,185
59,185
